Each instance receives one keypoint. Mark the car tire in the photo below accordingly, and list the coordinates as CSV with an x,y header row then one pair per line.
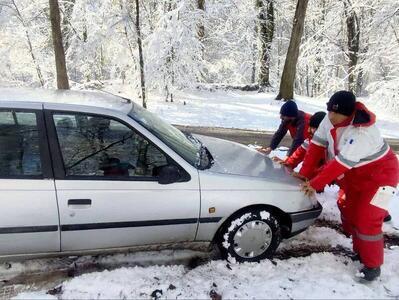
x,y
250,237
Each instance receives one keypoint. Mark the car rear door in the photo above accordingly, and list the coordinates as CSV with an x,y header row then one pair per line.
x,y
107,187
29,214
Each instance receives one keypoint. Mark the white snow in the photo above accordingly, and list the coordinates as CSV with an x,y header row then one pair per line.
x,y
320,276
234,224
35,295
264,215
89,98
244,110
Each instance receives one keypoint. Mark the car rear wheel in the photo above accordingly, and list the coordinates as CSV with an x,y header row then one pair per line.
x,y
250,237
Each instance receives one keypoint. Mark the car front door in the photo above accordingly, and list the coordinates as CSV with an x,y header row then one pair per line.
x,y
107,185
28,206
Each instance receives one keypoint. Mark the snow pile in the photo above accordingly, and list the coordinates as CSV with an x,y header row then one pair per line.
x,y
317,276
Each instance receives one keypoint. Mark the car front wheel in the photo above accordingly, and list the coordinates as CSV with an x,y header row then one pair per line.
x,y
251,237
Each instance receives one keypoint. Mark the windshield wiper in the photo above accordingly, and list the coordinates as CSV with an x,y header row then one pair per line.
x,y
206,156
99,151
204,153
192,138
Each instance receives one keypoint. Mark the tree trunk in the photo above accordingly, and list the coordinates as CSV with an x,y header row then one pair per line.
x,y
201,26
60,65
66,25
265,33
254,58
353,33
139,42
28,40
288,77
169,62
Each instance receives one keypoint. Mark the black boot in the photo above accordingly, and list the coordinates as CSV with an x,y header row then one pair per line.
x,y
387,218
370,274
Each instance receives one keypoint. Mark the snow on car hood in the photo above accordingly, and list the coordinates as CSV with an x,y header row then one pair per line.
x,y
236,159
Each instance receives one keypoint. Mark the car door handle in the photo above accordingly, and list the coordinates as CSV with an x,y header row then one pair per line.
x,y
79,202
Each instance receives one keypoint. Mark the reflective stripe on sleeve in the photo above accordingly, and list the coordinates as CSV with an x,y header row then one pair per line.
x,y
350,164
319,141
305,145
384,150
346,162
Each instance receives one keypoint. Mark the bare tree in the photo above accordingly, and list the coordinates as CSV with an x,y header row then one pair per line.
x,y
60,64
265,29
201,27
14,7
353,35
141,58
170,59
66,25
289,71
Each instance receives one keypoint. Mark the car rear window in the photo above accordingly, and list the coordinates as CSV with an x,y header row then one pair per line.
x,y
19,144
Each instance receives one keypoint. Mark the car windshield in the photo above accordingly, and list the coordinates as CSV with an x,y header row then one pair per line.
x,y
187,146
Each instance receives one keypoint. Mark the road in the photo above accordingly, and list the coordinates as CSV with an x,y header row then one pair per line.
x,y
247,137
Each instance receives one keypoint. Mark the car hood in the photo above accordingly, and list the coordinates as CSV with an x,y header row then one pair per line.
x,y
236,159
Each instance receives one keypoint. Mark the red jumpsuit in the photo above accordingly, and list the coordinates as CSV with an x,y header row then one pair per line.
x,y
365,165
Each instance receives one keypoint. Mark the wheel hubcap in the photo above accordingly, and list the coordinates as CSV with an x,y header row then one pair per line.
x,y
252,239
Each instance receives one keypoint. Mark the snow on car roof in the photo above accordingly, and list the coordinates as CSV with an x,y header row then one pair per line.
x,y
89,98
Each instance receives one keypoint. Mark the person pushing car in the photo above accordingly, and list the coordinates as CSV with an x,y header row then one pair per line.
x,y
367,168
297,157
293,120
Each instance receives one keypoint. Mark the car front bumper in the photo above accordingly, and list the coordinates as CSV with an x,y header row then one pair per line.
x,y
302,220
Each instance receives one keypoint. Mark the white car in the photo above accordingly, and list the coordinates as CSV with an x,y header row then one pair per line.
x,y
84,171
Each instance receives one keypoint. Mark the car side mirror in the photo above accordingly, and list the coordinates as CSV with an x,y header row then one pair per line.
x,y
168,174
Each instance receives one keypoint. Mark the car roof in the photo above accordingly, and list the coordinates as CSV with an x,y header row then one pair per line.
x,y
69,97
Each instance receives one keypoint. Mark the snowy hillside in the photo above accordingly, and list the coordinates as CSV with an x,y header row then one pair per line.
x,y
245,110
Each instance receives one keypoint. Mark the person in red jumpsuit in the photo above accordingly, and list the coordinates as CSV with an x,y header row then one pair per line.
x,y
367,168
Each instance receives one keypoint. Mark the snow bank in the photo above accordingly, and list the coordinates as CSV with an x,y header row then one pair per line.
x,y
319,276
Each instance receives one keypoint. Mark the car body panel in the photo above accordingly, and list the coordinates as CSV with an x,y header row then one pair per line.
x,y
126,213
236,159
136,212
131,212
252,179
93,99
29,217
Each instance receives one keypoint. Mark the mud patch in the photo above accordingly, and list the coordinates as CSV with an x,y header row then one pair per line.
x,y
306,250
391,241
329,224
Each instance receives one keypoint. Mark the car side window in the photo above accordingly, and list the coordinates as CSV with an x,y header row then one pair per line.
x,y
19,144
99,146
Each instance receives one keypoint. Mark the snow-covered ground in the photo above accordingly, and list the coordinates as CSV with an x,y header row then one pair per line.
x,y
244,110
322,275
